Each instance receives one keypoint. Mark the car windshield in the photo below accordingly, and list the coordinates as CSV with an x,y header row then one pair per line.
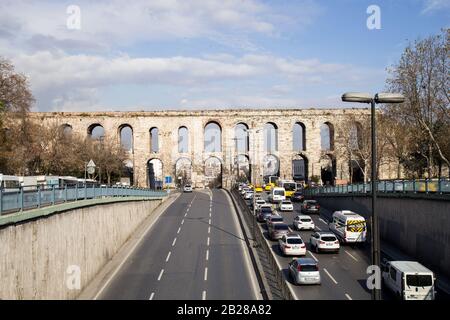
x,y
278,192
276,219
309,267
286,202
281,227
265,209
419,280
328,238
305,220
294,241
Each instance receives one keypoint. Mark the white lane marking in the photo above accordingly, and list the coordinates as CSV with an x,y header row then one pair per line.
x,y
160,274
207,254
209,229
350,255
331,277
187,210
318,228
168,256
174,241
323,221
313,256
209,221
207,242
206,274
204,295
151,296
348,296
179,229
182,221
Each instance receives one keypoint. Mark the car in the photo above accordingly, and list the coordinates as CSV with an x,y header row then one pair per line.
x,y
248,195
259,203
304,271
274,218
263,214
244,190
259,189
292,244
310,206
297,196
187,188
241,186
278,230
303,222
324,241
286,205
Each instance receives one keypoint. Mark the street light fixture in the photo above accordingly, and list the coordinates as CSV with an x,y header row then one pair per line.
x,y
361,97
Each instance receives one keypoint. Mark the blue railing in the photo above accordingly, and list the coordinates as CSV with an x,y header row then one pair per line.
x,y
388,186
23,198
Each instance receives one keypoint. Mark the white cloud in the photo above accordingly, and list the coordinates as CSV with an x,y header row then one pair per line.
x,y
435,5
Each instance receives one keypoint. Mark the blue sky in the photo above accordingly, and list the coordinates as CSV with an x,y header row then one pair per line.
x,y
169,54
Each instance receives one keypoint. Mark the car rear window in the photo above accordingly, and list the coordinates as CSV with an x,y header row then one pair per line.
x,y
311,202
419,280
276,219
305,220
294,241
309,267
328,238
265,209
281,227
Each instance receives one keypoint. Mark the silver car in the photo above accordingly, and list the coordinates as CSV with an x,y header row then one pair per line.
x,y
304,271
278,230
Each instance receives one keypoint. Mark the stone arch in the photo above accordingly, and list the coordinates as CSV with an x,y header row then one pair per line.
x,y
155,173
242,138
212,137
356,138
154,139
66,129
327,136
271,166
299,137
125,132
96,131
243,168
183,139
270,137
183,170
213,172
328,169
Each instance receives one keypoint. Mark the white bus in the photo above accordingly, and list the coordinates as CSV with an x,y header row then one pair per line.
x,y
9,183
348,226
277,194
289,186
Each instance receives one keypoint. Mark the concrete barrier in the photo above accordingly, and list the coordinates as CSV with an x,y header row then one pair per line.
x,y
418,227
43,258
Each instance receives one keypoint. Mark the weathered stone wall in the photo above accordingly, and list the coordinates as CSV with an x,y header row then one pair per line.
x,y
36,255
168,123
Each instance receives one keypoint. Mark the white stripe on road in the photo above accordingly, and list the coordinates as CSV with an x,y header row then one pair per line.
x,y
206,274
209,229
350,255
318,228
348,296
168,256
207,254
174,241
209,221
207,242
204,295
314,257
182,221
331,277
160,274
179,229
323,221
151,296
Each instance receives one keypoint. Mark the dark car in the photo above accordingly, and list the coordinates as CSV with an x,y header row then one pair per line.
x,y
264,213
297,197
310,206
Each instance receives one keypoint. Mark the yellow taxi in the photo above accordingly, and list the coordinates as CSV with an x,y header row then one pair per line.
x,y
258,189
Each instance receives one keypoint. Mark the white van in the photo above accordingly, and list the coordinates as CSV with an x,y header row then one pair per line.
x,y
348,226
409,280
277,194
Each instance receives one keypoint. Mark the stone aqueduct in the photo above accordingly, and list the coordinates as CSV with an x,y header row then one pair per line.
x,y
168,124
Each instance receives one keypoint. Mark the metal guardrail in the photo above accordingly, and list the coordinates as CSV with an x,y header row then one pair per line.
x,y
24,198
388,186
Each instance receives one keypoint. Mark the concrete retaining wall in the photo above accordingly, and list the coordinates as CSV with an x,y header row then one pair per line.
x,y
420,228
36,255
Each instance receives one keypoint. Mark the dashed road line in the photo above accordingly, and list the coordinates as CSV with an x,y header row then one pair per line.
x,y
207,254
331,277
168,256
207,242
182,221
151,296
160,274
313,256
348,296
350,255
179,229
174,241
209,229
209,221
204,295
323,221
206,274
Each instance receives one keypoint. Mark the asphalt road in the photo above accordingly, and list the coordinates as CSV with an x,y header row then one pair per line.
x,y
343,274
194,251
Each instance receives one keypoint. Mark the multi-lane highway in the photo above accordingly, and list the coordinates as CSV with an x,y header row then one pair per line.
x,y
195,250
343,274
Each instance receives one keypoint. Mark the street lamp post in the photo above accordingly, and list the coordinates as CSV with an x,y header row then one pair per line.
x,y
379,98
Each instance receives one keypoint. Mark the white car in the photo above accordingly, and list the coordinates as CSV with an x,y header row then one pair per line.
x,y
324,241
259,203
248,195
187,188
292,245
303,223
286,205
304,271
